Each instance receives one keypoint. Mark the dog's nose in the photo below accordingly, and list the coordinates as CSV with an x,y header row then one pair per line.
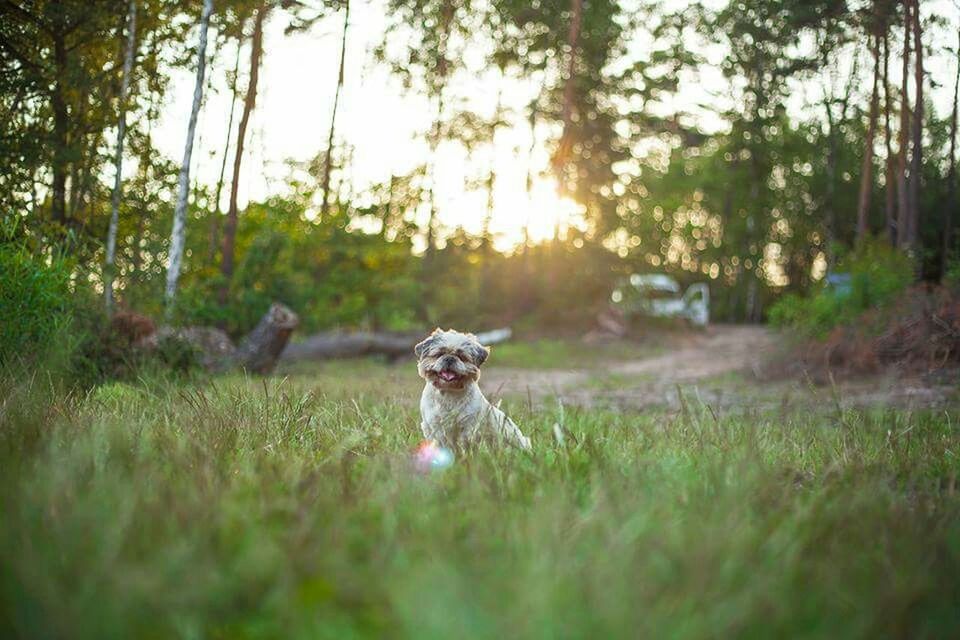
x,y
448,360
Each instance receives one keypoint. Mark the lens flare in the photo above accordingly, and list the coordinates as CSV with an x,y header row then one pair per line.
x,y
430,456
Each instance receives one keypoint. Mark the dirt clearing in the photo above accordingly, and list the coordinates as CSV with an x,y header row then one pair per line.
x,y
722,367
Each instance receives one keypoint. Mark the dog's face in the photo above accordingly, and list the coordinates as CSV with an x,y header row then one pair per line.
x,y
449,359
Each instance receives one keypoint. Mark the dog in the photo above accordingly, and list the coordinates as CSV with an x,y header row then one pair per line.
x,y
453,410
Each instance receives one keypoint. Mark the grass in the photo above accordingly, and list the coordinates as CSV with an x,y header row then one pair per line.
x,y
555,353
287,508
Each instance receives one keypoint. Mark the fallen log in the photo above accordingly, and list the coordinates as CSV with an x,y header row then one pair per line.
x,y
338,344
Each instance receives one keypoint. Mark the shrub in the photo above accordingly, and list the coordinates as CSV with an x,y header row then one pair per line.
x,y
878,275
35,303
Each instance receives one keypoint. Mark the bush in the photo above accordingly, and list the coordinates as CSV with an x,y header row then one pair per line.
x,y
878,275
35,303
49,322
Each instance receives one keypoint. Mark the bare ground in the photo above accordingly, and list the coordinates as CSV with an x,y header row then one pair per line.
x,y
722,367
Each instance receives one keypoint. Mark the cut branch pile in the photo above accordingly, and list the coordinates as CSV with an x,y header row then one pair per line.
x,y
919,334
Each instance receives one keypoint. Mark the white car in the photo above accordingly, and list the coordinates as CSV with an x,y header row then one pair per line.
x,y
659,295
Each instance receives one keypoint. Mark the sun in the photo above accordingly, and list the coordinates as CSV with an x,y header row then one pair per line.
x,y
534,217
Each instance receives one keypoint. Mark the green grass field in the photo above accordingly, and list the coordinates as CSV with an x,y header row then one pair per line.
x,y
288,508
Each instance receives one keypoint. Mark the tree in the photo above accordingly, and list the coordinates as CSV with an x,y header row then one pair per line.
x,y
952,204
118,162
866,173
215,218
916,167
58,73
429,60
230,227
890,188
328,162
904,188
569,88
178,233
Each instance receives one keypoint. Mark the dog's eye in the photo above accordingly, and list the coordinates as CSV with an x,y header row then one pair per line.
x,y
462,355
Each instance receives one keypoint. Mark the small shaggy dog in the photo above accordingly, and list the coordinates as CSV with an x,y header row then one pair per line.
x,y
454,411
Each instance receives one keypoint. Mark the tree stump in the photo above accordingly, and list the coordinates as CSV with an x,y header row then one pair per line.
x,y
261,348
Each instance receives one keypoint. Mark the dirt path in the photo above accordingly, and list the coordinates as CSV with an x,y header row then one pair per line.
x,y
721,367
643,382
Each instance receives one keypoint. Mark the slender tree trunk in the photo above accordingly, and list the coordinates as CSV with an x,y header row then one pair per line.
x,y
916,167
903,197
60,131
569,89
388,211
328,163
890,188
529,185
215,222
830,215
447,15
178,234
432,195
866,173
135,257
345,182
492,171
230,227
108,271
952,205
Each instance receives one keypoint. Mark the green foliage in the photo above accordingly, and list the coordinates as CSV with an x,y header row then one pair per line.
x,y
331,275
951,276
257,510
35,303
878,274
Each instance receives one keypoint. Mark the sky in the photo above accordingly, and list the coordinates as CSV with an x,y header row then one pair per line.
x,y
385,125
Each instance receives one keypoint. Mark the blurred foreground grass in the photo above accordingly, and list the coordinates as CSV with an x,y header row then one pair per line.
x,y
244,508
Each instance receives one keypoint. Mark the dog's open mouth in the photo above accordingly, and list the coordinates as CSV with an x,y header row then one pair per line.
x,y
448,376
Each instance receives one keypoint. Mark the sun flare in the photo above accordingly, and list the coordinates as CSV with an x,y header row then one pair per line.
x,y
535,217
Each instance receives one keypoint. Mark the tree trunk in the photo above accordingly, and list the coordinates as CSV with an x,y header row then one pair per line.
x,y
866,173
447,15
60,131
328,163
529,183
178,234
492,171
903,197
830,215
388,210
108,271
230,227
916,167
434,143
951,209
890,188
563,148
215,222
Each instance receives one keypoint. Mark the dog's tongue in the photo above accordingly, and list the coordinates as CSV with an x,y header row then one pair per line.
x,y
448,375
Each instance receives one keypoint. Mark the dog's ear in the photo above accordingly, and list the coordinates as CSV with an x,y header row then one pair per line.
x,y
478,352
426,344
